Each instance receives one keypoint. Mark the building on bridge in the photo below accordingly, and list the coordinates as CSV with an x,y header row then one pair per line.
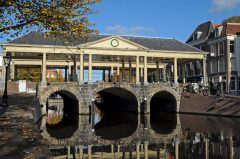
x,y
126,58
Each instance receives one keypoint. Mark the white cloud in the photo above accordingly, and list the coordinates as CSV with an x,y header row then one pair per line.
x,y
123,30
220,5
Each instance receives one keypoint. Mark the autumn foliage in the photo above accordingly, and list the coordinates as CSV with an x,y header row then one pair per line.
x,y
58,18
29,74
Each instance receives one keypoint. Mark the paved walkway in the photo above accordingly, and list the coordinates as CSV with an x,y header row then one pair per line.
x,y
19,137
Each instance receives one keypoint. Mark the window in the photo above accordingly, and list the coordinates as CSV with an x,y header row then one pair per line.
x,y
213,66
233,83
238,83
213,50
221,48
233,64
189,70
221,65
196,35
203,48
232,46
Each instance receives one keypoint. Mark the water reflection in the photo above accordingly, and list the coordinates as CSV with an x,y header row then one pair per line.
x,y
122,124
160,135
163,123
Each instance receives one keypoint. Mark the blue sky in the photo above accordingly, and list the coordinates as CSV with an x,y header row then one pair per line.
x,y
159,18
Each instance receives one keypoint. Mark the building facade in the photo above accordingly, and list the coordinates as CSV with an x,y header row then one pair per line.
x,y
221,42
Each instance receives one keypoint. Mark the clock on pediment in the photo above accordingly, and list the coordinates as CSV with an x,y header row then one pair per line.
x,y
114,43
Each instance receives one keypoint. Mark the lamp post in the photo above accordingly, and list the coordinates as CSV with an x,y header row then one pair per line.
x,y
7,60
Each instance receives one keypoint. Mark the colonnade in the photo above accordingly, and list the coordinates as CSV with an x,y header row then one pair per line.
x,y
140,71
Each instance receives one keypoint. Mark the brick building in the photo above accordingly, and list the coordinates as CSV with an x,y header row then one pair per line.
x,y
222,43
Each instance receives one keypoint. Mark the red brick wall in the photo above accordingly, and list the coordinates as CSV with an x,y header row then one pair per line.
x,y
13,86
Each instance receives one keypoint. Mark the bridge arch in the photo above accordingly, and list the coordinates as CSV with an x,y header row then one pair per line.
x,y
70,96
119,97
163,98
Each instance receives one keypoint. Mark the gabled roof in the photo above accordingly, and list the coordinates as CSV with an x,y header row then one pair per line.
x,y
38,38
205,29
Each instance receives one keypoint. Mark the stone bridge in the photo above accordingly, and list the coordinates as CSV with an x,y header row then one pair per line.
x,y
117,96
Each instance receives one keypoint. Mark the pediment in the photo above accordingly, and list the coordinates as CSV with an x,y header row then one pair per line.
x,y
114,42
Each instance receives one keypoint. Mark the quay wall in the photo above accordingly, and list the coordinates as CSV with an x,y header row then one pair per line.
x,y
211,105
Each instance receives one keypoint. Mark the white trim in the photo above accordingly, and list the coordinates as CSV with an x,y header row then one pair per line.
x,y
85,45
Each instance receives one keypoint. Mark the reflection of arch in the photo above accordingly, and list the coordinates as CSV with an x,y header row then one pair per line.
x,y
118,97
65,129
70,95
163,95
114,126
81,134
163,123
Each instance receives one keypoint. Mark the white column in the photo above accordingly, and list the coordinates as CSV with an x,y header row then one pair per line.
x,y
69,72
3,70
111,75
118,73
12,67
204,71
81,66
90,68
111,70
118,70
145,70
164,74
141,72
175,71
157,72
183,73
3,64
44,68
137,69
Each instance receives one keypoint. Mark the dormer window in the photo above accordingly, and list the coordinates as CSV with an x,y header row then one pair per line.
x,y
217,31
197,35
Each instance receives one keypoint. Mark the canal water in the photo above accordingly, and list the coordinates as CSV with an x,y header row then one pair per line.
x,y
128,135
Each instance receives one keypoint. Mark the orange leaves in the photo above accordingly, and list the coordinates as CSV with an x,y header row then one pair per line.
x,y
62,18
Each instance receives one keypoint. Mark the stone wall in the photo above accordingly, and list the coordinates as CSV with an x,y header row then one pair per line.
x,y
84,93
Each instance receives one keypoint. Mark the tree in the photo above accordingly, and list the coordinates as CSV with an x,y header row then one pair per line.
x,y
29,74
232,19
59,18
